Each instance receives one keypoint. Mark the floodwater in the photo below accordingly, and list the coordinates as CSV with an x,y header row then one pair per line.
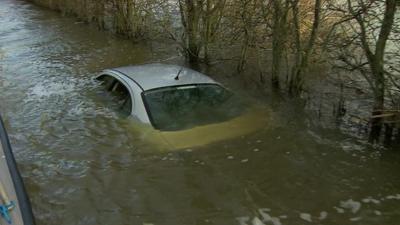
x,y
82,165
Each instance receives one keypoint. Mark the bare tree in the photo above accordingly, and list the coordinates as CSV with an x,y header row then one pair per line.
x,y
200,20
279,37
302,53
244,28
364,33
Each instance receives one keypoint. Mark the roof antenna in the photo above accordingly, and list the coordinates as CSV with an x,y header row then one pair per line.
x,y
179,73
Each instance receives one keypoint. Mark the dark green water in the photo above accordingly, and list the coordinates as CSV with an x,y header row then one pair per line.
x,y
82,165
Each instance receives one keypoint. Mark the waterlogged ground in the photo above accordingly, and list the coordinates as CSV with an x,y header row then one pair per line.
x,y
82,164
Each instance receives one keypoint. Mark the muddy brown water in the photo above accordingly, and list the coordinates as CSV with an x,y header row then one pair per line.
x,y
82,165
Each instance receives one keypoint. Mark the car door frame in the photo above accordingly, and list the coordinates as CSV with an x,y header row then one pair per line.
x,y
138,110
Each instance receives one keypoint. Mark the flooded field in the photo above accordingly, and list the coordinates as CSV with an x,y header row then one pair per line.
x,y
82,164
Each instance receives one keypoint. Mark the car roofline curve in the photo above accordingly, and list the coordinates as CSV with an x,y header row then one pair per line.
x,y
130,78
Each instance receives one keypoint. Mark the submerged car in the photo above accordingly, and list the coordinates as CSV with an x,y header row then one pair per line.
x,y
176,107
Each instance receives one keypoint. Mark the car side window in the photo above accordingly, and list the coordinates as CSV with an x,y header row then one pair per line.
x,y
121,97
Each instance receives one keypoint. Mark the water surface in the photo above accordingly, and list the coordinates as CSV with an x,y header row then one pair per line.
x,y
82,165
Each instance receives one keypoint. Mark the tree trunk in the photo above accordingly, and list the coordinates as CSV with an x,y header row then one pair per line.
x,y
376,63
279,34
277,56
376,122
388,135
190,21
207,33
397,138
303,55
243,55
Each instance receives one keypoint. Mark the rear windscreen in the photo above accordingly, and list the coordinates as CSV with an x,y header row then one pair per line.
x,y
184,107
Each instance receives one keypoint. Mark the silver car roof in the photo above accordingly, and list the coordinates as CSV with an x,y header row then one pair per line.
x,y
157,75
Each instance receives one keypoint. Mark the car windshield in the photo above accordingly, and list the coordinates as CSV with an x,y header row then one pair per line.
x,y
184,107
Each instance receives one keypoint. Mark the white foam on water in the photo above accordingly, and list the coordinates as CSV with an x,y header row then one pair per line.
x,y
257,221
323,215
352,205
243,220
306,217
369,199
339,210
393,197
43,90
266,217
354,219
